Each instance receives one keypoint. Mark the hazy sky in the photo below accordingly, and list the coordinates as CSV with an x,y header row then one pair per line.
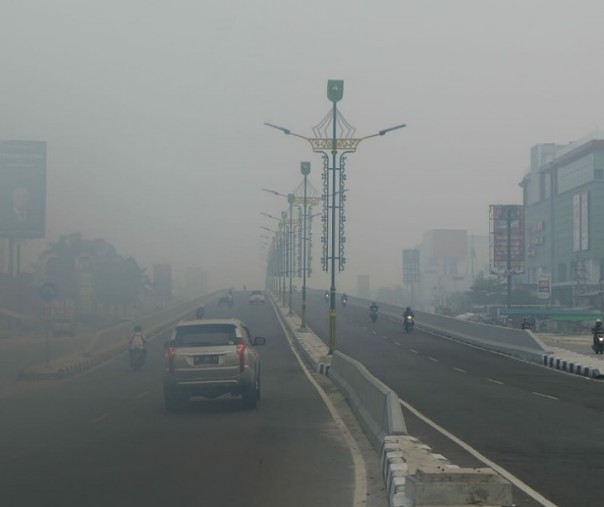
x,y
153,113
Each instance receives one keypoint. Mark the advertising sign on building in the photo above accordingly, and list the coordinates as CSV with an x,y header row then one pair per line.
x,y
543,288
411,265
506,223
22,189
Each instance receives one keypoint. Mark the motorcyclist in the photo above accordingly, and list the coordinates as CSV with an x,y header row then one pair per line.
x,y
344,298
373,307
526,324
408,313
597,330
200,312
137,343
326,295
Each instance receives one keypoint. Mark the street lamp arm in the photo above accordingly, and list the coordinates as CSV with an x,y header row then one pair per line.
x,y
288,132
383,132
274,192
282,129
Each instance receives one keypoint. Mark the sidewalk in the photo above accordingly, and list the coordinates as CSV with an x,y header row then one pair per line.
x,y
572,353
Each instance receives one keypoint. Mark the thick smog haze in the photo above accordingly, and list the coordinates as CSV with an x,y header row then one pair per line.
x,y
153,113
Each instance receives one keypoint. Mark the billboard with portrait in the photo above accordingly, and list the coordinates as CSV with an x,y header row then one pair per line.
x,y
506,238
22,189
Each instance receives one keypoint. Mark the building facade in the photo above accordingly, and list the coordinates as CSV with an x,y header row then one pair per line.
x,y
563,197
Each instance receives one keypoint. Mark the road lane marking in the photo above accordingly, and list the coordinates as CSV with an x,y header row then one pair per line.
x,y
500,470
25,452
433,359
460,370
414,351
142,395
399,344
544,395
100,418
495,381
385,338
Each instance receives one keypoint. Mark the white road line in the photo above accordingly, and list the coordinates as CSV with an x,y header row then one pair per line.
x,y
385,338
142,395
25,452
433,359
414,351
501,471
399,344
100,418
544,395
495,381
460,370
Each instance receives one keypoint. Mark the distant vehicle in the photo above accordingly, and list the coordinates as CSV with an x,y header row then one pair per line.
x,y
64,327
211,358
257,297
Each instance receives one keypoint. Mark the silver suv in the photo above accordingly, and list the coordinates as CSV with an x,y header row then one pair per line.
x,y
210,358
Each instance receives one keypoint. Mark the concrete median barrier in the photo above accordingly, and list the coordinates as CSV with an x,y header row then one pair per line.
x,y
375,405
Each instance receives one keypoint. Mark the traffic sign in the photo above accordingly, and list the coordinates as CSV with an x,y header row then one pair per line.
x,y
48,291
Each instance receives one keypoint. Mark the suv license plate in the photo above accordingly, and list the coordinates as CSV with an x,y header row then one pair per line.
x,y
205,360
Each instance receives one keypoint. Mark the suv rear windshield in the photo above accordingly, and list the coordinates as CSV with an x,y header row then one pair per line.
x,y
206,335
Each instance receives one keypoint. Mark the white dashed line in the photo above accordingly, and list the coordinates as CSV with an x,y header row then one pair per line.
x,y
460,370
433,359
142,395
495,381
414,351
544,395
100,418
397,343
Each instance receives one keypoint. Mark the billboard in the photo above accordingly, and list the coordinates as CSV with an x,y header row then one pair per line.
x,y
411,265
22,189
506,232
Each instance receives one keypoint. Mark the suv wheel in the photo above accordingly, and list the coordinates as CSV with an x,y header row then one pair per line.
x,y
252,396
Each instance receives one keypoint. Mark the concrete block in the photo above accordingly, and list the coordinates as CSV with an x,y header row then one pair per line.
x,y
465,486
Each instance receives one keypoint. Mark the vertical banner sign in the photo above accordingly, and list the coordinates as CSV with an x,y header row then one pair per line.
x,y
506,234
411,266
543,288
584,220
581,221
22,189
576,223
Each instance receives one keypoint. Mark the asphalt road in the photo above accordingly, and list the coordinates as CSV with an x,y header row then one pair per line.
x,y
545,427
104,439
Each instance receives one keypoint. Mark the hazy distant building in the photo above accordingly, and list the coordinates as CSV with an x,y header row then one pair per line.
x,y
363,287
162,281
450,261
196,282
563,197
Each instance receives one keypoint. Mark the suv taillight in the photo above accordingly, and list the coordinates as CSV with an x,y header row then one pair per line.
x,y
170,359
241,346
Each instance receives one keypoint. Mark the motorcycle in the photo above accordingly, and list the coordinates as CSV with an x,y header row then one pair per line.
x,y
598,346
327,297
199,313
409,324
373,314
137,358
344,301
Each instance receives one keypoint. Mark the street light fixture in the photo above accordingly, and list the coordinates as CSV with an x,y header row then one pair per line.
x,y
334,186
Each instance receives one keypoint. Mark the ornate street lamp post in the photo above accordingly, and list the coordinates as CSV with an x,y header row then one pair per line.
x,y
333,218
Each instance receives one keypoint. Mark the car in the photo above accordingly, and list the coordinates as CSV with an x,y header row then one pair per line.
x,y
211,358
256,297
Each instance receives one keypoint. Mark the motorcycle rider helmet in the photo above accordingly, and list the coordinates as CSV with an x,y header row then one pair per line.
x,y
598,322
408,309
